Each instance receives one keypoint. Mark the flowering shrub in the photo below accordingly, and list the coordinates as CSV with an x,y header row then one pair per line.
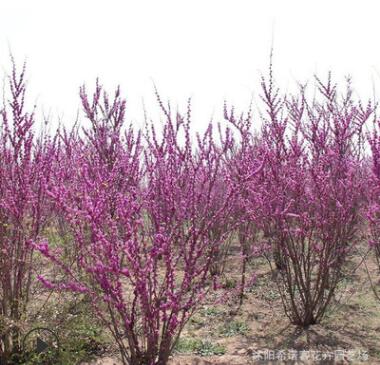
x,y
244,162
373,211
313,191
140,223
25,168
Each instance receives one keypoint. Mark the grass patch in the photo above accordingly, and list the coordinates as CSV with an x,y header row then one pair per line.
x,y
199,347
81,336
234,328
211,312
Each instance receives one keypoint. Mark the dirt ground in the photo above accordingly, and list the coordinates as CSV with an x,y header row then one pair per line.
x,y
260,333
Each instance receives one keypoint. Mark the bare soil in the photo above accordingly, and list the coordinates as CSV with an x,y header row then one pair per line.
x,y
260,333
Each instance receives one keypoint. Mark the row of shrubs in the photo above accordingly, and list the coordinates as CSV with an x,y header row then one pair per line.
x,y
144,220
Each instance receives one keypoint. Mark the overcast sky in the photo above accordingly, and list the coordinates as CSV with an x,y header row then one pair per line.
x,y
209,50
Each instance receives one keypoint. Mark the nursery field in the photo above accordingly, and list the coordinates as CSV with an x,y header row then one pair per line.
x,y
255,240
222,332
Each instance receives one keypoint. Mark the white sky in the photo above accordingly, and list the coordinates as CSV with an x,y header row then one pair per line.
x,y
210,50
